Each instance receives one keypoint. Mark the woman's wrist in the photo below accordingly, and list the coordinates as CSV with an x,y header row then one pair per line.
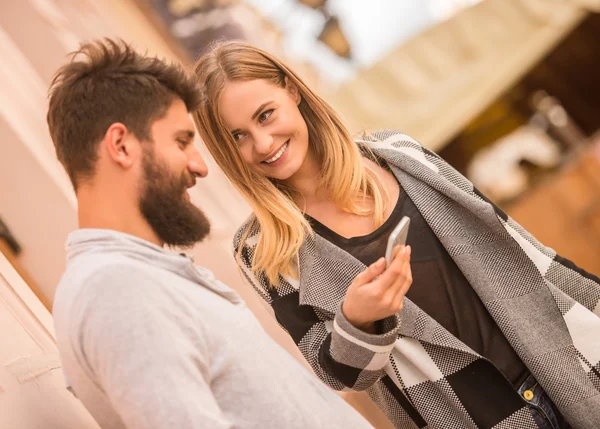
x,y
368,327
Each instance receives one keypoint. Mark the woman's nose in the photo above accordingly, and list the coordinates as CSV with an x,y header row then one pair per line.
x,y
263,143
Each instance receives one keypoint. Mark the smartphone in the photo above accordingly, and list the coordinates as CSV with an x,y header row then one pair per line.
x,y
397,238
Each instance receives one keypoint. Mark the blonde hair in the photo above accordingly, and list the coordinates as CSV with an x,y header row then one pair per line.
x,y
282,224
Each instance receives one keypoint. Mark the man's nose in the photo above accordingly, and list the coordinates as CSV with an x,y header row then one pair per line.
x,y
196,164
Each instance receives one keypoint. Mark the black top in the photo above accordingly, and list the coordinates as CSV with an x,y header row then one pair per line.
x,y
439,287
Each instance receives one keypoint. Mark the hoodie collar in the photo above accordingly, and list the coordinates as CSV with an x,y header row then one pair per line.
x,y
88,241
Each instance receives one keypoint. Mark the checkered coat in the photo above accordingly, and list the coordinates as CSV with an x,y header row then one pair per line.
x,y
419,374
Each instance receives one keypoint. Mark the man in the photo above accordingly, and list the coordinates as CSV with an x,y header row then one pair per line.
x,y
147,339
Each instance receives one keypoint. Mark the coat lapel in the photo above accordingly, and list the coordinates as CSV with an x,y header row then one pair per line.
x,y
325,273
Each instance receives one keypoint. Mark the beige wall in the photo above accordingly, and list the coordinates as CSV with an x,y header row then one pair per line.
x,y
32,389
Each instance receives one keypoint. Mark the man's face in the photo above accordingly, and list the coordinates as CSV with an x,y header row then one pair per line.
x,y
171,164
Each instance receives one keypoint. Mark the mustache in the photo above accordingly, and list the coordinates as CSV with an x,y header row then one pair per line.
x,y
188,180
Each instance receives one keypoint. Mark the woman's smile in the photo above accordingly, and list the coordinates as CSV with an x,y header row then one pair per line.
x,y
279,156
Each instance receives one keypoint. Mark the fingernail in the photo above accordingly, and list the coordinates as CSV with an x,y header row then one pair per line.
x,y
380,262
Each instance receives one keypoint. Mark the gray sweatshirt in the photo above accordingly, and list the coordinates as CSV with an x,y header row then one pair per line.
x,y
149,341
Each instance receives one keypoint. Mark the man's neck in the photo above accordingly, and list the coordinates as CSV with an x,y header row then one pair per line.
x,y
96,211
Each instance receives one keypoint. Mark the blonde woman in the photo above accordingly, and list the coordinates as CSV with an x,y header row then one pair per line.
x,y
496,330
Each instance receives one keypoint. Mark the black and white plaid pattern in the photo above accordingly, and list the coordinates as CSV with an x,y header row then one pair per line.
x,y
419,374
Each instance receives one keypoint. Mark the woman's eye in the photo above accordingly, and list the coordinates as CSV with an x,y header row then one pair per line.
x,y
237,137
182,143
265,115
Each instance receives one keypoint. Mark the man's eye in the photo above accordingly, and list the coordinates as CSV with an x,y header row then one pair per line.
x,y
265,115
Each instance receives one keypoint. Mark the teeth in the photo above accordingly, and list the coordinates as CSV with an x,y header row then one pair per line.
x,y
277,155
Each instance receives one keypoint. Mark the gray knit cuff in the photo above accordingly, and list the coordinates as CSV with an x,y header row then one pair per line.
x,y
358,349
390,327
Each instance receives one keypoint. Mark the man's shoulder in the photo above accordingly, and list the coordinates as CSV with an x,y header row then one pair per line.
x,y
105,278
102,268
111,296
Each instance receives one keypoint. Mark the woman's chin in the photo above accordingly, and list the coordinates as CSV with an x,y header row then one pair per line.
x,y
281,173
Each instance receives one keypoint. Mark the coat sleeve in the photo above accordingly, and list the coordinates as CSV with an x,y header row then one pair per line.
x,y
574,281
342,356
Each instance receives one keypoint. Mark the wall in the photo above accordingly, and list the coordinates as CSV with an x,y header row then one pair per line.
x,y
38,204
32,390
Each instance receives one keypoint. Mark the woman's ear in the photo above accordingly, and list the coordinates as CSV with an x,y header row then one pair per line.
x,y
293,90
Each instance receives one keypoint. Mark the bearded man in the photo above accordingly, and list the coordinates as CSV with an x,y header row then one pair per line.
x,y
147,339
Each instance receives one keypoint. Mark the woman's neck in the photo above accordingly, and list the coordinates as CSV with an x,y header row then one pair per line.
x,y
305,182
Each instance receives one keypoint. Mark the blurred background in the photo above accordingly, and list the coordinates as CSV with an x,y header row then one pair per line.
x,y
505,90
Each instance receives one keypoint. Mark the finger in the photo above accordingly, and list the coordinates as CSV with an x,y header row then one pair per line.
x,y
401,258
371,273
399,287
395,294
403,273
398,303
406,282
402,251
392,273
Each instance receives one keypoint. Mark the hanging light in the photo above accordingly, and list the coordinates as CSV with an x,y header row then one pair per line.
x,y
334,38
184,7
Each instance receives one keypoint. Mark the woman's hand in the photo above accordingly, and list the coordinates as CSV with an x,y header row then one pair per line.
x,y
377,292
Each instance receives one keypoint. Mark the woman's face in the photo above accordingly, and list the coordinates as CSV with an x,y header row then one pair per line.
x,y
266,123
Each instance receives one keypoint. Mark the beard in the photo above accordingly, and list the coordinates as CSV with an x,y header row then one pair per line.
x,y
166,207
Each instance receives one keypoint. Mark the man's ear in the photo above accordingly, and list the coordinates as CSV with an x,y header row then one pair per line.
x,y
119,144
293,90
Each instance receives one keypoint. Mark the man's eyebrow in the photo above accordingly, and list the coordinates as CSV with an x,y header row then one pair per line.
x,y
187,133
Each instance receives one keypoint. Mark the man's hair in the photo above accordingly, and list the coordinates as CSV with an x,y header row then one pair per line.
x,y
105,82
